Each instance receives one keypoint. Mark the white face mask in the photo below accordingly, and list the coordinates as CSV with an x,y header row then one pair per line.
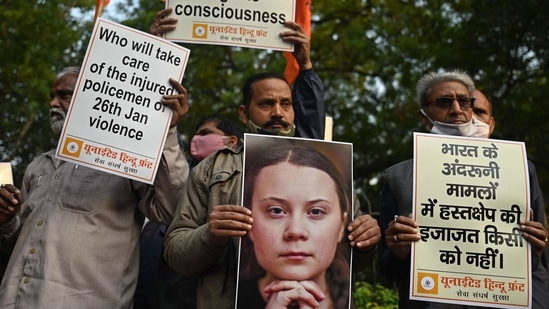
x,y
483,129
467,129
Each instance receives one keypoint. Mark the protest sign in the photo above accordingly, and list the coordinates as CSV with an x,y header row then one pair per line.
x,y
299,226
469,197
6,176
116,122
244,23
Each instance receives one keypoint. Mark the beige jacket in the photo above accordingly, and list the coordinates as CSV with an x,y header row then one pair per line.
x,y
78,232
216,180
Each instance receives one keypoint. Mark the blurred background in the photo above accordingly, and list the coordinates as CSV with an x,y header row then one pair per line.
x,y
368,53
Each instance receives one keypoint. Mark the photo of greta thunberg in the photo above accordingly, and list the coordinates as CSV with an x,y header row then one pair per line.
x,y
297,252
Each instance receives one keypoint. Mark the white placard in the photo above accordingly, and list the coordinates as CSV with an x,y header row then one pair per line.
x,y
116,122
6,175
244,23
469,197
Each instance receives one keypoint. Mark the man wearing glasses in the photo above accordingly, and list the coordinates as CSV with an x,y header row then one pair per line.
x,y
446,102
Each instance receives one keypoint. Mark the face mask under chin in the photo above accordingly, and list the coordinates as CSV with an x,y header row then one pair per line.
x,y
483,129
468,129
254,128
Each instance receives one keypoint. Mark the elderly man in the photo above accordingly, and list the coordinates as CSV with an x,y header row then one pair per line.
x,y
446,107
75,230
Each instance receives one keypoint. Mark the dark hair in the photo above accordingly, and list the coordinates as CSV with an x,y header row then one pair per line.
x,y
227,126
247,90
296,155
337,274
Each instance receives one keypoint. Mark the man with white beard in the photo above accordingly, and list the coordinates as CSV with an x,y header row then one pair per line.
x,y
74,231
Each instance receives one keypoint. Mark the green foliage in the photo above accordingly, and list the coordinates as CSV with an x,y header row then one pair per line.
x,y
37,38
368,53
214,75
371,53
377,296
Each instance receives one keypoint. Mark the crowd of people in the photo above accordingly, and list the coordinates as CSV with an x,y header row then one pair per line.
x,y
82,238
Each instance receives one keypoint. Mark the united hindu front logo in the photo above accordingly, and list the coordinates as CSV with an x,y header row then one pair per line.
x,y
72,147
427,283
200,31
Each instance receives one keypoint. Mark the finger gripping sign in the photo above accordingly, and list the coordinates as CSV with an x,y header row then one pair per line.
x,y
116,121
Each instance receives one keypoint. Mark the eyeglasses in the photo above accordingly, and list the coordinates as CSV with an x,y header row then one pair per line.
x,y
446,102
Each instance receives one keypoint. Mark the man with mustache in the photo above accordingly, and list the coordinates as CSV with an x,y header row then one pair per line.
x,y
74,231
203,238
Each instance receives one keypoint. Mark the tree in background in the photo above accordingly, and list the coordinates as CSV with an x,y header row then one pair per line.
x,y
372,53
369,54
37,39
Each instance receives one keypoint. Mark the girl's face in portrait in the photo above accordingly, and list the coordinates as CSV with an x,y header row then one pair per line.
x,y
298,221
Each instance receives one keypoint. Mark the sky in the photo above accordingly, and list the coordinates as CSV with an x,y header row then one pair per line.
x,y
109,12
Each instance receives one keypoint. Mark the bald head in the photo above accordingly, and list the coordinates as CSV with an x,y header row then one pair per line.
x,y
482,110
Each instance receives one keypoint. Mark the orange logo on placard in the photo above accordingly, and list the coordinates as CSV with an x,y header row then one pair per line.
x,y
200,31
72,147
427,283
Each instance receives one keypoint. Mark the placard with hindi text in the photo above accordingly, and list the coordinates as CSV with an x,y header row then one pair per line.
x,y
469,197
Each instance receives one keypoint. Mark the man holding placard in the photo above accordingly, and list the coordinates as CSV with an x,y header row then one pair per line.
x,y
446,101
203,239
77,228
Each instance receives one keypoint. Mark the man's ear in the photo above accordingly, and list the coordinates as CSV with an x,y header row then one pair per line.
x,y
233,140
492,124
424,120
243,114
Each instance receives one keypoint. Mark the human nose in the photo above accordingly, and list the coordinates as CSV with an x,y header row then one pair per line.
x,y
54,102
295,229
455,108
276,110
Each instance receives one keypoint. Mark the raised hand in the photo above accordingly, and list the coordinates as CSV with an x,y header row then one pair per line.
x,y
177,102
162,24
302,44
